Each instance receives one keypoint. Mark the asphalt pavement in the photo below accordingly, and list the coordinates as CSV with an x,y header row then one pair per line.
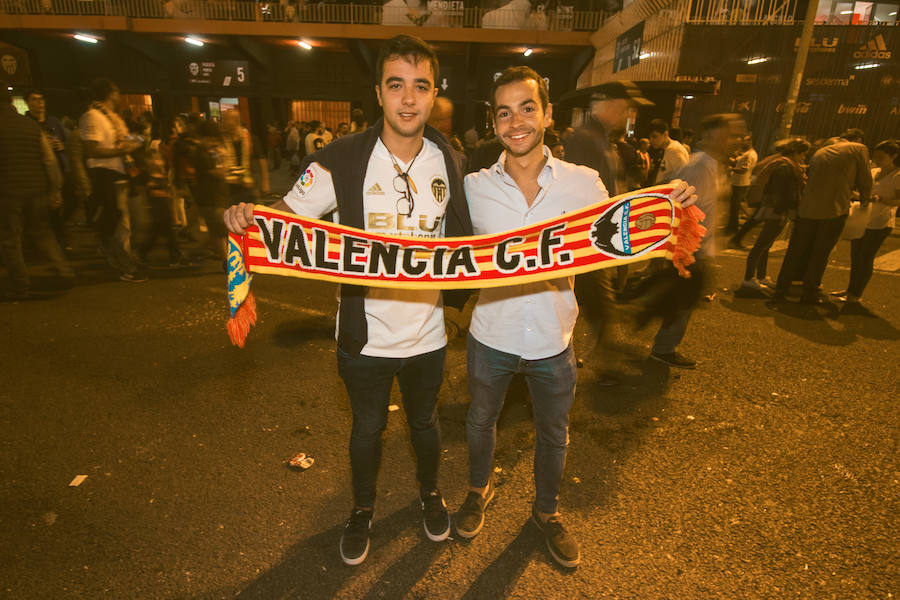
x,y
768,472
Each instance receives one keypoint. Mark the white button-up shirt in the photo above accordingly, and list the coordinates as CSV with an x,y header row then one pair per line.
x,y
531,320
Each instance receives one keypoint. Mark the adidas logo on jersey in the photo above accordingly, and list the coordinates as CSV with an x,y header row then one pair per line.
x,y
875,48
375,190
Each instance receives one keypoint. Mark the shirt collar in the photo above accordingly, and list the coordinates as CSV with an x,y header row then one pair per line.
x,y
549,169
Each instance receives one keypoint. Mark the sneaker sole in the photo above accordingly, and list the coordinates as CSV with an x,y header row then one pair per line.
x,y
470,534
559,559
440,537
355,561
671,364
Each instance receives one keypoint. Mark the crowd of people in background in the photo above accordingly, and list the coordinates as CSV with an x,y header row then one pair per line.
x,y
140,182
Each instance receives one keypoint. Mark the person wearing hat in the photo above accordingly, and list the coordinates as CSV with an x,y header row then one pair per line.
x,y
592,145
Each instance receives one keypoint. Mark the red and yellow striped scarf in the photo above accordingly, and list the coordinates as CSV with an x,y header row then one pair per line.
x,y
630,227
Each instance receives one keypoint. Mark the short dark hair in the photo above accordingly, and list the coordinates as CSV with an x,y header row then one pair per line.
x,y
790,146
854,135
408,47
658,126
102,88
520,73
33,92
891,147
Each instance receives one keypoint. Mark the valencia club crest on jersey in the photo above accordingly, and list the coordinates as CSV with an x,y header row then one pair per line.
x,y
439,190
633,226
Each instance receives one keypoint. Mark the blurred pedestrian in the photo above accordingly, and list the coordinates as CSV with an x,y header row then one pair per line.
x,y
720,135
238,156
836,173
32,182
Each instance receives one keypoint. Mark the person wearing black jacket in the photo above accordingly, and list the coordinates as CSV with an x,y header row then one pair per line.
x,y
779,199
397,177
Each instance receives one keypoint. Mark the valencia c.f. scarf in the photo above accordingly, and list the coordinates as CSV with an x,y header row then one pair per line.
x,y
634,226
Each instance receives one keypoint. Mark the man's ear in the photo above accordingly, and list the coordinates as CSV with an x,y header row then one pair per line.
x,y
378,94
548,115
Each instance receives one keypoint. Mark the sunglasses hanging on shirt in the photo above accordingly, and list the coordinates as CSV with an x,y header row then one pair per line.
x,y
404,185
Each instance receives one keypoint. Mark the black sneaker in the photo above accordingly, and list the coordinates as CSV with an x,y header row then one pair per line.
x,y
435,517
470,518
355,539
563,546
674,359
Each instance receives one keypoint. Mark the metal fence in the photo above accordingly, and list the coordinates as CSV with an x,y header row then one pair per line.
x,y
742,12
394,12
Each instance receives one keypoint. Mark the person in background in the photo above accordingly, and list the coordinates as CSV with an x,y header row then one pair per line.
x,y
740,182
238,157
107,145
442,119
273,144
358,120
673,155
644,157
552,141
31,185
836,174
78,176
58,136
885,200
159,199
212,188
781,178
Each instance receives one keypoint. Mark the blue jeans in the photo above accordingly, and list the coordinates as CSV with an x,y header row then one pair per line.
x,y
368,380
551,382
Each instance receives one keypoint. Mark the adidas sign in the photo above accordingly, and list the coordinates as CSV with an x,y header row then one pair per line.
x,y
875,48
375,190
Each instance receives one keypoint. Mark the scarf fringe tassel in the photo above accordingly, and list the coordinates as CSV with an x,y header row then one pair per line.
x,y
244,318
690,233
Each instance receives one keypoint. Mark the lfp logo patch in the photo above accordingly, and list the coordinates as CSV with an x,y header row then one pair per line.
x,y
305,183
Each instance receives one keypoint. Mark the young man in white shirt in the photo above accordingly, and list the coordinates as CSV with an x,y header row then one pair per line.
x,y
106,144
398,177
674,154
525,328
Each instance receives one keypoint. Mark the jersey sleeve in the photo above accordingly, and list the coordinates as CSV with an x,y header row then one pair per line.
x,y
312,195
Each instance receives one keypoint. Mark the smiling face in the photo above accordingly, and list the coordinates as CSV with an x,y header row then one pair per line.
x,y
519,118
406,93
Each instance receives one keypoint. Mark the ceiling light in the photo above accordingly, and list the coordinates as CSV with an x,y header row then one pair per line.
x,y
645,55
85,38
303,44
867,66
688,97
893,14
528,52
756,61
9,88
193,41
846,12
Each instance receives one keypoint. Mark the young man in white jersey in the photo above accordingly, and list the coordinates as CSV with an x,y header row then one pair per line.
x,y
525,328
398,177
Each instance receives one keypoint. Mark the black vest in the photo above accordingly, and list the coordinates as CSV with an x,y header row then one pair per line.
x,y
347,159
